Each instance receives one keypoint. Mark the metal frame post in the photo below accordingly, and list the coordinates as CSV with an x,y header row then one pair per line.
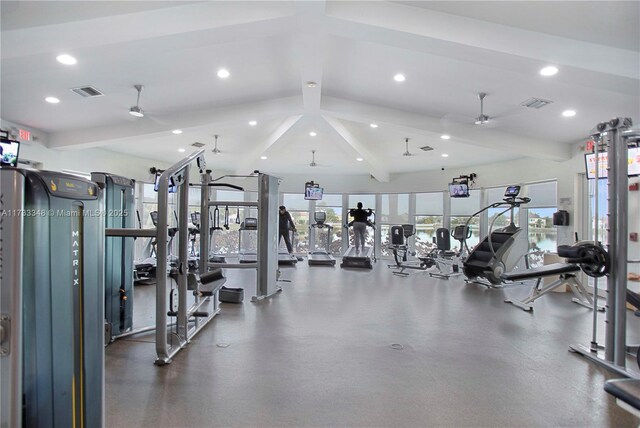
x,y
162,349
267,237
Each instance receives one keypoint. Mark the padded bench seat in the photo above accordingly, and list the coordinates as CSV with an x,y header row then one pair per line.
x,y
539,272
627,391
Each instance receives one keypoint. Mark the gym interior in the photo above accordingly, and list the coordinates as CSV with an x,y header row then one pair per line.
x,y
459,239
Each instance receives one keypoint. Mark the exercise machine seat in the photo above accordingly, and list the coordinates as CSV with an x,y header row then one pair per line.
x,y
627,390
539,272
214,275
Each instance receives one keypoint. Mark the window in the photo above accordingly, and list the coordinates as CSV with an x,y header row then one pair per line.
x,y
395,211
298,207
497,220
429,218
332,205
601,222
543,236
426,226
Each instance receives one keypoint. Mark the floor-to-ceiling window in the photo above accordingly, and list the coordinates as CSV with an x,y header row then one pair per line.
x,y
501,216
394,211
429,216
543,236
331,204
298,207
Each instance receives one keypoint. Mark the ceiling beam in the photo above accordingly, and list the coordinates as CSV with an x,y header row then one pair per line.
x,y
467,133
414,28
184,19
377,168
310,50
247,165
156,124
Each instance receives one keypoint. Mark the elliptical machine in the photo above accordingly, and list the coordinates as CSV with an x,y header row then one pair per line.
x,y
400,246
502,249
449,263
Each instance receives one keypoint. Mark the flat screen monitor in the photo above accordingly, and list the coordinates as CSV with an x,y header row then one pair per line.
x,y
313,193
633,162
172,187
512,191
9,152
459,190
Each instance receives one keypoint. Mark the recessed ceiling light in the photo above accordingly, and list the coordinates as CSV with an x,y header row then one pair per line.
x,y
445,137
263,157
444,155
549,70
399,77
374,125
177,131
312,133
252,123
181,150
569,113
66,59
52,100
359,159
311,84
223,73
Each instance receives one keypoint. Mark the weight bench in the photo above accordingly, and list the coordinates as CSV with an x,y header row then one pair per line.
x,y
567,274
210,282
627,394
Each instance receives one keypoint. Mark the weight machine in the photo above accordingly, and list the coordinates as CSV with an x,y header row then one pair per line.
x,y
614,137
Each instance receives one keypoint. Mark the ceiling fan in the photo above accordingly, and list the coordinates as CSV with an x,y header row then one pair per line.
x,y
136,110
215,148
313,159
407,152
483,118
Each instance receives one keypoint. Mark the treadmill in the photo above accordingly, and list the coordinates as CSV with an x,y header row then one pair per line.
x,y
363,259
320,256
248,228
284,258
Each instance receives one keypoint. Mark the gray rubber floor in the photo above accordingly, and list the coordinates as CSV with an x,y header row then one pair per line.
x,y
347,347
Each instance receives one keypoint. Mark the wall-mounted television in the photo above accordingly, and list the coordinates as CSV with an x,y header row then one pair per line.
x,y
633,162
459,190
312,193
172,187
9,152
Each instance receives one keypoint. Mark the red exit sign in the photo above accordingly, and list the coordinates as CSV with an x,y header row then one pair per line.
x,y
24,135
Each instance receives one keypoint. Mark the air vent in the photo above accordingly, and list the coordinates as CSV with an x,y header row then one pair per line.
x,y
535,103
426,148
198,145
87,91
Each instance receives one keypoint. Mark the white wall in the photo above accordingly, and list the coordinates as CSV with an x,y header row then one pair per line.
x,y
90,160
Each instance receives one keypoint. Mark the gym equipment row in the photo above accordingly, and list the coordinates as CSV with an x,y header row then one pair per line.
x,y
52,300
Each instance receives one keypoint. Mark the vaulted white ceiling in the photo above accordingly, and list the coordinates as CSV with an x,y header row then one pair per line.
x,y
448,51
